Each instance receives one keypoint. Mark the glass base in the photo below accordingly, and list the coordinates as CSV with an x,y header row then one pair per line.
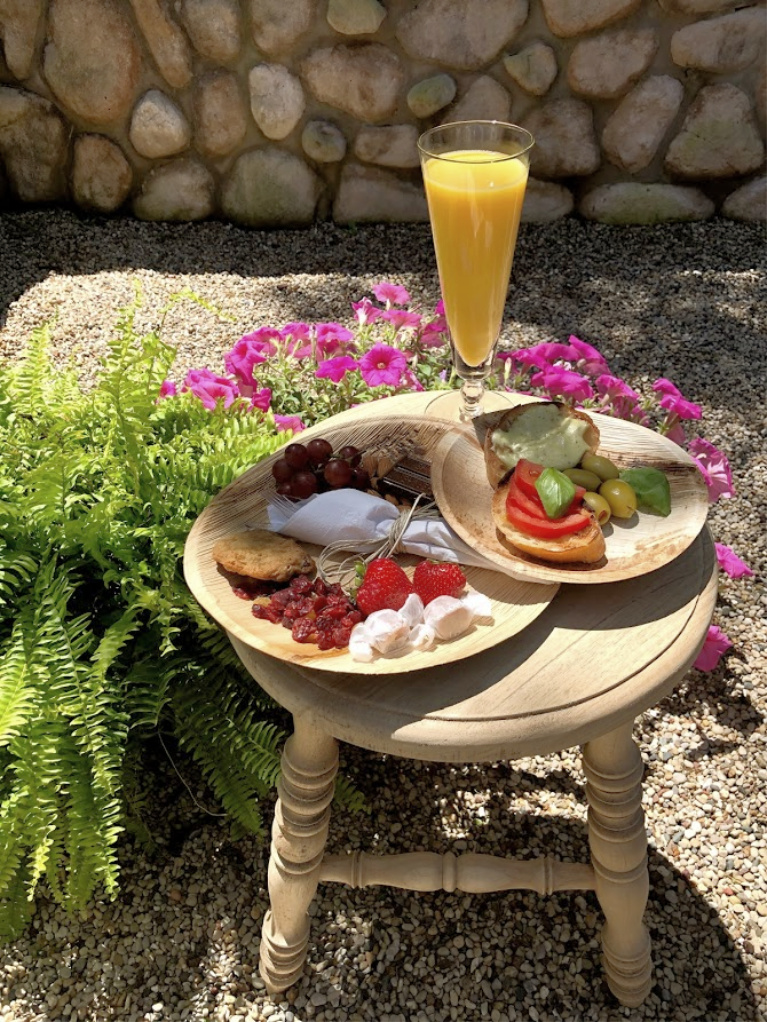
x,y
449,404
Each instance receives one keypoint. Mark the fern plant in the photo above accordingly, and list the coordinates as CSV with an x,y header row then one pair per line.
x,y
101,644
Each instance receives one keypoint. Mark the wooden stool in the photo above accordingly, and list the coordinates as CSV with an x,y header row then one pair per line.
x,y
598,656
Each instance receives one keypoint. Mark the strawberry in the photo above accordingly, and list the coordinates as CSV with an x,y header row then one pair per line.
x,y
384,587
432,579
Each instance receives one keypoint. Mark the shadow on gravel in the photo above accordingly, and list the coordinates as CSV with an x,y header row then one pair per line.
x,y
517,948
185,930
647,296
548,955
730,708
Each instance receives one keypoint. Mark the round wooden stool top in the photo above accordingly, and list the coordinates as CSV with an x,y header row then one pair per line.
x,y
595,658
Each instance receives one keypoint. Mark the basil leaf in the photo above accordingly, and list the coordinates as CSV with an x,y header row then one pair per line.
x,y
556,492
651,487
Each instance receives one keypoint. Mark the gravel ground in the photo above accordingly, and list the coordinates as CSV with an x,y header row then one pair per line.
x,y
688,302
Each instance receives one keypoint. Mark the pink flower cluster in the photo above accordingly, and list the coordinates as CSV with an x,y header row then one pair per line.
x,y
331,348
211,389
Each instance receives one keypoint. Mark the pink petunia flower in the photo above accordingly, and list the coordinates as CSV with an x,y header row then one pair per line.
x,y
402,319
624,401
410,380
365,312
336,368
296,340
264,335
673,401
714,467
334,331
250,351
432,338
715,646
167,389
437,324
542,355
586,358
439,308
333,339
391,294
730,563
261,399
562,383
677,434
614,387
211,389
382,366
291,422
297,331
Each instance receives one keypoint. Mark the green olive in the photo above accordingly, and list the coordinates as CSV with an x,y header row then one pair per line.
x,y
599,506
581,477
600,466
620,497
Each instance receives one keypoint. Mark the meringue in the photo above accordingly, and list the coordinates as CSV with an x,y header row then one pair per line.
x,y
415,627
448,617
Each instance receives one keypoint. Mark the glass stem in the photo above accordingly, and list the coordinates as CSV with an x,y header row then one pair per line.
x,y
472,392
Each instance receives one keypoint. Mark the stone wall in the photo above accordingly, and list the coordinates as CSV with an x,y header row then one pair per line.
x,y
277,112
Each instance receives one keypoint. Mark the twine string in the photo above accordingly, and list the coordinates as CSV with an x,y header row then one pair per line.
x,y
334,568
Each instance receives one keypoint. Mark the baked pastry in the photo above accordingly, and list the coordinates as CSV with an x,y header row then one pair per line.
x,y
264,555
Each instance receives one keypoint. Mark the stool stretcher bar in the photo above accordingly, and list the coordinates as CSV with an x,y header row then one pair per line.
x,y
470,872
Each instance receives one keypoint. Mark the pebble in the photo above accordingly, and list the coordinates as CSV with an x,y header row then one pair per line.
x,y
181,942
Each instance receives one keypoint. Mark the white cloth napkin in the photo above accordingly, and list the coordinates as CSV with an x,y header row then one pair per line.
x,y
358,517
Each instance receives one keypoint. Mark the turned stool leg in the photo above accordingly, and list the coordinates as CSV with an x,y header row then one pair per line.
x,y
618,842
299,833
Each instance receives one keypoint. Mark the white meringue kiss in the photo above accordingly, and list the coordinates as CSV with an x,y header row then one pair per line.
x,y
448,617
415,627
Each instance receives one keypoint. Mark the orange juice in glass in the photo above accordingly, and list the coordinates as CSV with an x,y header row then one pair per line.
x,y
475,174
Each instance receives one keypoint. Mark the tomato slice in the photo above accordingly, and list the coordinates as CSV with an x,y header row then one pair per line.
x,y
525,475
530,505
577,500
546,527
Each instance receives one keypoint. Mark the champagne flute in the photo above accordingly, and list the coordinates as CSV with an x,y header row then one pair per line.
x,y
475,174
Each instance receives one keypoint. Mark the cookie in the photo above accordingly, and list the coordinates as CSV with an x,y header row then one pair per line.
x,y
261,554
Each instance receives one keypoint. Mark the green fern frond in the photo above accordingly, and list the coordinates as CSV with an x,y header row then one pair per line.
x,y
12,830
15,907
92,830
101,642
238,756
30,378
17,568
148,691
348,795
17,696
114,641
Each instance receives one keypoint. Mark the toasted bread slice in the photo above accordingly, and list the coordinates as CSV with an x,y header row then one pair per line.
x,y
497,470
585,547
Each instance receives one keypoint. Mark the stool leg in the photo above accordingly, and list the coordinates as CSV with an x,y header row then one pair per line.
x,y
618,842
299,833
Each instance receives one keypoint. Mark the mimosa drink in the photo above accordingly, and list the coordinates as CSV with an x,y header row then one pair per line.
x,y
475,202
